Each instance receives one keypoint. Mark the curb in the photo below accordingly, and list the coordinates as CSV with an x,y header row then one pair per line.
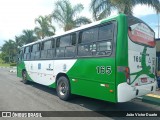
x,y
151,98
8,67
12,69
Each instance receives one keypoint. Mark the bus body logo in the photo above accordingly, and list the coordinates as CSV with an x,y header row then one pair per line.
x,y
31,66
49,67
39,66
64,67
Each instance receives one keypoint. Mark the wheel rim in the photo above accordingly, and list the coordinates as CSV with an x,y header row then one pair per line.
x,y
62,88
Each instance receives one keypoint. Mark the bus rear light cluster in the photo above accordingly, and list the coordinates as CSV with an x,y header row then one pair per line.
x,y
128,81
127,74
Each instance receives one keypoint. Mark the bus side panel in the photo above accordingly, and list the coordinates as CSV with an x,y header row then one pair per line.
x,y
94,77
20,67
121,50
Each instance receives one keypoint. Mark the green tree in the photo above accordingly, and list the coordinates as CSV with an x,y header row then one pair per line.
x,y
19,41
102,8
67,15
45,27
9,51
27,36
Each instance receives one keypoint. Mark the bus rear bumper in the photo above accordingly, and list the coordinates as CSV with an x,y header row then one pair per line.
x,y
126,92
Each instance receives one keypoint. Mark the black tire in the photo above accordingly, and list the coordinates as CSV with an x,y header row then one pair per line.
x,y
63,88
24,77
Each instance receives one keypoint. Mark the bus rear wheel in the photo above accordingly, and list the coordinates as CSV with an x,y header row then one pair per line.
x,y
24,77
63,88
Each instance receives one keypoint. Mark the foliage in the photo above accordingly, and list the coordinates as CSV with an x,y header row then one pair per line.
x,y
4,64
3,57
8,51
19,41
45,27
13,64
67,15
102,8
28,36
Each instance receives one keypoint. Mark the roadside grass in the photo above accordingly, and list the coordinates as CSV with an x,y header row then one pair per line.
x,y
4,65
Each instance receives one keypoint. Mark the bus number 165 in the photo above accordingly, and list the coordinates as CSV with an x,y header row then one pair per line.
x,y
104,70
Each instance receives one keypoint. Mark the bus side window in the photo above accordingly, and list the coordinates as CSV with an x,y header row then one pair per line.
x,y
32,53
43,51
46,50
103,48
105,38
35,51
53,47
38,51
105,32
96,41
65,46
26,53
87,38
84,50
20,56
60,48
70,50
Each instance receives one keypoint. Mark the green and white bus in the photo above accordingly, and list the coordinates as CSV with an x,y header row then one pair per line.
x,y
113,59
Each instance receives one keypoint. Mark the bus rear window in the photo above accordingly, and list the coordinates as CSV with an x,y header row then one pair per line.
x,y
139,32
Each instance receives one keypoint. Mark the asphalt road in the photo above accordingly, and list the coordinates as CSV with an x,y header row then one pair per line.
x,y
16,96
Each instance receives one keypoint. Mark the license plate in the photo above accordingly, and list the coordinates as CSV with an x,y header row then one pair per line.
x,y
143,80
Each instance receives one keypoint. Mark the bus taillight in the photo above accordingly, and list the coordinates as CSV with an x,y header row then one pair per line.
x,y
127,73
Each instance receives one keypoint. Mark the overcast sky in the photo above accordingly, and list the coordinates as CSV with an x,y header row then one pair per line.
x,y
17,15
